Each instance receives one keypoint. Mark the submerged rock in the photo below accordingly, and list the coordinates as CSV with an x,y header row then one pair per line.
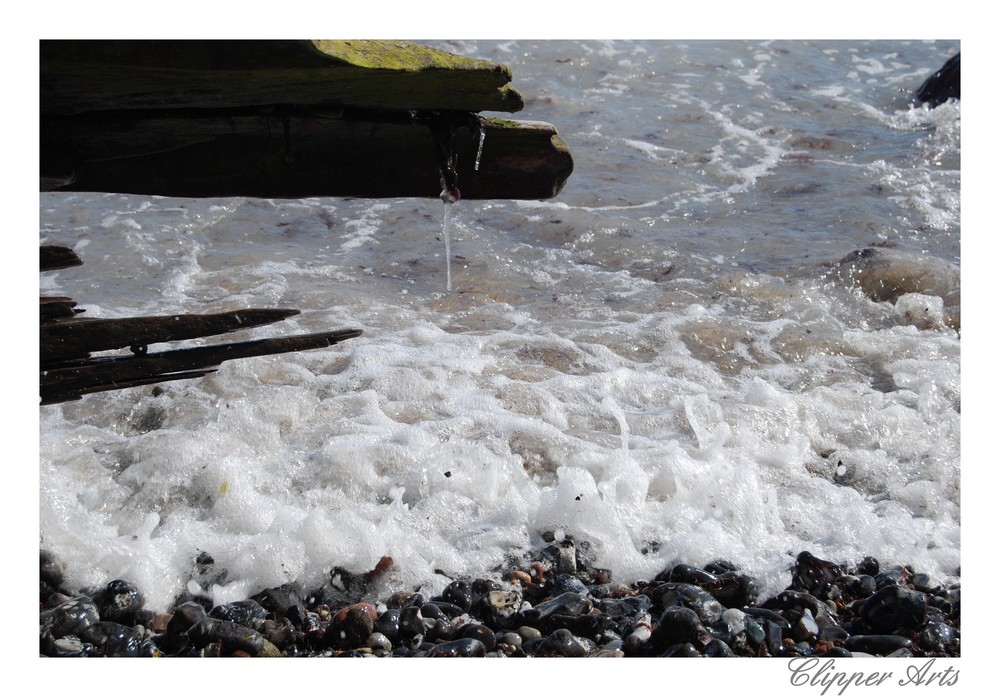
x,y
887,275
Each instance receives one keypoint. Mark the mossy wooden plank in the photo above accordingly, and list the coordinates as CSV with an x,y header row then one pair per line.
x,y
84,76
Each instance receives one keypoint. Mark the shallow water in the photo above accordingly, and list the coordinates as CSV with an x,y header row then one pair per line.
x,y
659,361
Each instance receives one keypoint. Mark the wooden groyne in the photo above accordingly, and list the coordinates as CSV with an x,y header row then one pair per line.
x,y
267,119
287,119
69,369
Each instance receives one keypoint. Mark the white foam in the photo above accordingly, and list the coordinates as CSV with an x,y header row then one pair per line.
x,y
655,362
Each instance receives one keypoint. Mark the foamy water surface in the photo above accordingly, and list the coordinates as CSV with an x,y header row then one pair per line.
x,y
660,361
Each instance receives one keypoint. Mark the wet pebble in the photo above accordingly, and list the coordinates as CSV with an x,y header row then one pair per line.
x,y
248,613
877,644
562,643
828,610
457,648
458,593
937,637
708,609
231,637
116,640
351,626
119,601
893,607
69,617
679,625
480,632
685,650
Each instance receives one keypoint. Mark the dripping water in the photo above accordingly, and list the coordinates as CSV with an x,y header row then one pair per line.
x,y
479,152
449,204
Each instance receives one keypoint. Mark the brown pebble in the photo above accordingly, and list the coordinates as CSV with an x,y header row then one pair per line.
x,y
368,608
158,625
521,577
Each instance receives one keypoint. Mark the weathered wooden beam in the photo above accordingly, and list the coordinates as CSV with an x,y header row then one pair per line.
x,y
70,382
77,338
295,154
102,75
53,257
56,308
285,119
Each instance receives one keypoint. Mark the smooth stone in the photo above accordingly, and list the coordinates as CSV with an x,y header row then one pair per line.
x,y
281,632
838,652
569,603
755,631
458,593
69,617
351,626
511,639
119,601
679,625
481,632
233,636
734,621
411,621
878,644
806,628
377,640
498,607
388,624
430,611
528,632
735,590
248,613
70,646
562,643
685,650
888,274
708,609
717,649
685,573
442,629
278,600
118,641
563,583
937,637
608,653
814,575
892,608
457,648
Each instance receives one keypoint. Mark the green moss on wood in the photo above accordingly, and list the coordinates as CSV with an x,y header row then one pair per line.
x,y
406,56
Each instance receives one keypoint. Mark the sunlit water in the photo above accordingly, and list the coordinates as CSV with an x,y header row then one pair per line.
x,y
659,361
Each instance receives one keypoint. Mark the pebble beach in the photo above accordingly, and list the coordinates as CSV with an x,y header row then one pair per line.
x,y
554,603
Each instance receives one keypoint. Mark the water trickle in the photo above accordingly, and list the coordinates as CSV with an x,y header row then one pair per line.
x,y
449,204
479,152
443,129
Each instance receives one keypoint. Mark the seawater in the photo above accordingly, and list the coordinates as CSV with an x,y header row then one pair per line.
x,y
659,361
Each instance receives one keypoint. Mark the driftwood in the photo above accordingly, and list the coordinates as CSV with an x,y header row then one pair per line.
x,y
286,119
68,370
76,338
71,380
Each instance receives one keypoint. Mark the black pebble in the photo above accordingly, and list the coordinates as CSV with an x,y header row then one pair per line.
x,y
894,607
119,601
457,648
